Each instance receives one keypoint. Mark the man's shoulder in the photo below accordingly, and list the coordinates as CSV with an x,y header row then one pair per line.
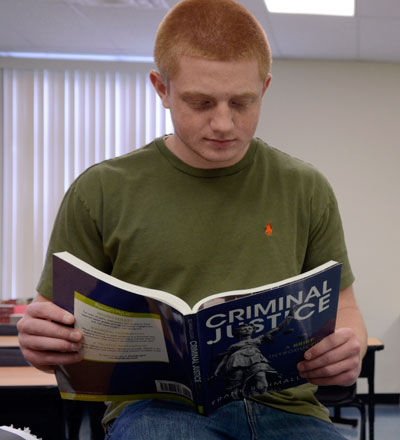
x,y
121,167
282,163
124,163
111,178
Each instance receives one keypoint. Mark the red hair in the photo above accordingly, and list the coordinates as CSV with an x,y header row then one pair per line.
x,y
220,30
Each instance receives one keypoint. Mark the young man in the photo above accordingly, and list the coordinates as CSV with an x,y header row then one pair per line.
x,y
206,209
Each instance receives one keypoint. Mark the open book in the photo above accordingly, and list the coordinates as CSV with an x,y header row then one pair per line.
x,y
141,343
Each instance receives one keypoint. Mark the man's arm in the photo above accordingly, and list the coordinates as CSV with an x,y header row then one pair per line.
x,y
336,360
45,337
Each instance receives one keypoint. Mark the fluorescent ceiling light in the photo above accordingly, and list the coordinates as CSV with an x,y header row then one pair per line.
x,y
77,57
314,7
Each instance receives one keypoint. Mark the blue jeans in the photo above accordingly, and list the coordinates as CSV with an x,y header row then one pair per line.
x,y
239,420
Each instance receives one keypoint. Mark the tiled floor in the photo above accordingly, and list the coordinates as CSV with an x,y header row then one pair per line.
x,y
387,423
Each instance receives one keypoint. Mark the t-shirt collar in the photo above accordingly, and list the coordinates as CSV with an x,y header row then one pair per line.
x,y
200,172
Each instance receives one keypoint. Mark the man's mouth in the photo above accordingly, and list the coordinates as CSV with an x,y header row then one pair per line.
x,y
220,142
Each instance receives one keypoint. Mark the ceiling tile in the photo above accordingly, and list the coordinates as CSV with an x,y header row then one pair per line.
x,y
138,4
58,26
53,26
380,39
307,36
378,8
125,28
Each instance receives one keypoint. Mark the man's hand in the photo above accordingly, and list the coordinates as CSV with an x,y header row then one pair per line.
x,y
336,360
45,337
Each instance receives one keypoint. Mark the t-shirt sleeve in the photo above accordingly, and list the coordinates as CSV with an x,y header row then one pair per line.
x,y
76,231
326,236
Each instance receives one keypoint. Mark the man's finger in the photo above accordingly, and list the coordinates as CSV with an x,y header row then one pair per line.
x,y
47,359
50,311
327,344
346,378
330,370
349,350
44,328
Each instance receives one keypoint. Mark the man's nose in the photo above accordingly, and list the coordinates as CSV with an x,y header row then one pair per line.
x,y
222,118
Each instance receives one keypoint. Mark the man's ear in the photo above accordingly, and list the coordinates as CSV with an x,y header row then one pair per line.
x,y
160,87
267,83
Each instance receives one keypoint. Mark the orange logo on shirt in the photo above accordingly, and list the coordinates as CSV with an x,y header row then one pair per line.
x,y
268,229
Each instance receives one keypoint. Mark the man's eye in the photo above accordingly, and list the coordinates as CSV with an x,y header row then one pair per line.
x,y
239,104
201,104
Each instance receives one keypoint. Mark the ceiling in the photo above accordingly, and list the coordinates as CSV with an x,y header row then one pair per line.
x,y
127,27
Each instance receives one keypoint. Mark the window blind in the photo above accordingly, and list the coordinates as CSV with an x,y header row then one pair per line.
x,y
56,123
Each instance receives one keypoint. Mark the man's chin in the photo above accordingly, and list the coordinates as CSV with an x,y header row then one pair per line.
x,y
222,157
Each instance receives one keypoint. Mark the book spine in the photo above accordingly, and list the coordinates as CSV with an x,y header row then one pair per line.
x,y
195,370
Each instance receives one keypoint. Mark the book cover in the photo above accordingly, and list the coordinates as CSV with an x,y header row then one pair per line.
x,y
134,346
142,343
251,346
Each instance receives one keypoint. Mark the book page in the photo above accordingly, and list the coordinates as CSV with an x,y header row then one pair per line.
x,y
113,335
223,297
165,297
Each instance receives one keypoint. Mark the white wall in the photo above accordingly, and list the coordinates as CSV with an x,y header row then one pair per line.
x,y
344,117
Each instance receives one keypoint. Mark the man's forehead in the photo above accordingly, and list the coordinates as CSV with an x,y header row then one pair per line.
x,y
198,78
189,65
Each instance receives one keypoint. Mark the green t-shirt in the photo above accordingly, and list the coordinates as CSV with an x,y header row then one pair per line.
x,y
150,219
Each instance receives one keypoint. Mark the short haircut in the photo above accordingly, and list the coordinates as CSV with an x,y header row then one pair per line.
x,y
221,30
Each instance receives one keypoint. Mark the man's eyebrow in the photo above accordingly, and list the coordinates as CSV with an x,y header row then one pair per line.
x,y
248,96
189,95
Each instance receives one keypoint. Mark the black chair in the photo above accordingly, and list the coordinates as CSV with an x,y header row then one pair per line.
x,y
338,397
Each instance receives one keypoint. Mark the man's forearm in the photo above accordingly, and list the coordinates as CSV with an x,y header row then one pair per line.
x,y
349,316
